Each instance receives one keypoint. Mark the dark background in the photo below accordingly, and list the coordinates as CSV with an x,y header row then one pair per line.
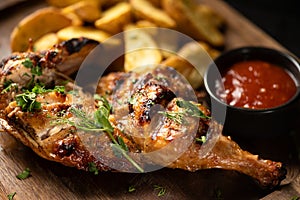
x,y
280,19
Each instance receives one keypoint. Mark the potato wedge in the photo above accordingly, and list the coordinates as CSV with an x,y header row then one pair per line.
x,y
46,42
76,21
183,11
189,57
85,10
64,3
207,13
145,24
155,3
213,53
143,9
81,31
141,51
115,18
35,25
109,3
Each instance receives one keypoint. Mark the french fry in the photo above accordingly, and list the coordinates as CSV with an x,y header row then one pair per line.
x,y
76,21
64,3
141,51
207,13
35,25
156,3
145,10
85,10
109,3
213,53
145,24
81,31
45,42
114,19
183,11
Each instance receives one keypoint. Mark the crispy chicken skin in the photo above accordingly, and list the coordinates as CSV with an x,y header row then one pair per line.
x,y
141,110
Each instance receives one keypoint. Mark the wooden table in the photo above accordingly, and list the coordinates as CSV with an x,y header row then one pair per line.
x,y
53,181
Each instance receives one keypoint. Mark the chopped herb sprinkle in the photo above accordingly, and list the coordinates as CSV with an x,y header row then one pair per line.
x,y
11,196
24,174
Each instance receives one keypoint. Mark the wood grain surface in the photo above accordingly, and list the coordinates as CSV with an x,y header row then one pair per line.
x,y
53,181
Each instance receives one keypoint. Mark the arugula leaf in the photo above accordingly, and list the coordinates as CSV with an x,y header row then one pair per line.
x,y
11,196
24,174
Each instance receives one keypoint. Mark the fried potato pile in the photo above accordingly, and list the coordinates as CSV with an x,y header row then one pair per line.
x,y
101,19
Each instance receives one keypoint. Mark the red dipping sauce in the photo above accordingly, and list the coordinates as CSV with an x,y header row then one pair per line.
x,y
256,85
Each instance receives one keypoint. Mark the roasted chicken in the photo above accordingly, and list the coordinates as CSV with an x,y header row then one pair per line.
x,y
135,122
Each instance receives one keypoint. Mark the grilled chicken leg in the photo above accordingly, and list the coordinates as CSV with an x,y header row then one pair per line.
x,y
150,112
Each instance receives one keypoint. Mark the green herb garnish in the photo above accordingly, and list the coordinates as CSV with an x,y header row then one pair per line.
x,y
93,168
27,63
24,174
202,139
191,109
27,101
174,116
40,89
35,70
162,190
295,198
8,86
11,196
131,188
100,122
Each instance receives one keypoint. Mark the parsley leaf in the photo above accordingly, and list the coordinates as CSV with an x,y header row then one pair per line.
x,y
8,86
131,188
11,196
27,63
35,70
24,174
27,101
162,190
93,168
202,139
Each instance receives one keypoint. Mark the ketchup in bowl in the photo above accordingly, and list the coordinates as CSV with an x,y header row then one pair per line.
x,y
256,84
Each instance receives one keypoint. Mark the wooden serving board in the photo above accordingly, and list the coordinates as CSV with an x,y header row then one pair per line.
x,y
50,180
